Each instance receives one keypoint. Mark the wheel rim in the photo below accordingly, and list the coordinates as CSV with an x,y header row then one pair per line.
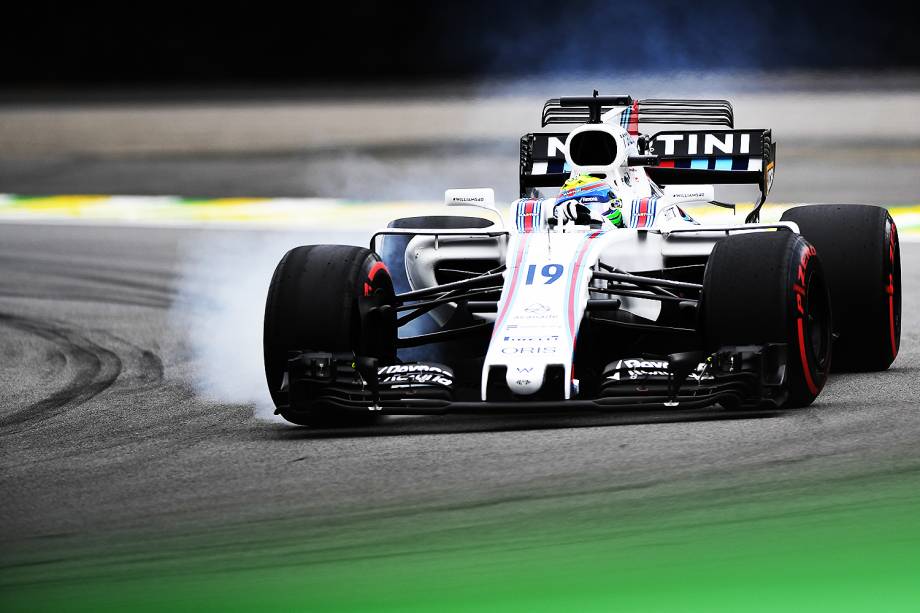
x,y
378,333
817,324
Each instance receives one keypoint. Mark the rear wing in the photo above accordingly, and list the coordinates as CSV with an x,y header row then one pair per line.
x,y
671,111
685,157
714,157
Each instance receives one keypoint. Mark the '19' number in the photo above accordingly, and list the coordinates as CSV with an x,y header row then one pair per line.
x,y
551,272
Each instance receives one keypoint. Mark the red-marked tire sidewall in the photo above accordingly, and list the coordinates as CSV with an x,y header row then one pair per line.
x,y
809,349
892,277
859,250
769,288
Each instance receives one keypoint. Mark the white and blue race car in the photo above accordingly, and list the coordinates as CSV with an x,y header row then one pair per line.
x,y
605,296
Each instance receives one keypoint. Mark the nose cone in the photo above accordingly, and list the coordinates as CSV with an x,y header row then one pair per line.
x,y
524,379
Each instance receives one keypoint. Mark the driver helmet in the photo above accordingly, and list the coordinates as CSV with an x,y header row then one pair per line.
x,y
595,194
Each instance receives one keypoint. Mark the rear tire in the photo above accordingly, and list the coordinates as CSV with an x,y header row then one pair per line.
x,y
768,287
313,304
862,261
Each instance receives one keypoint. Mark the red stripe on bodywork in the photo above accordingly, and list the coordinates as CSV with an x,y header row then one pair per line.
x,y
634,119
528,216
514,277
808,380
642,217
575,276
666,164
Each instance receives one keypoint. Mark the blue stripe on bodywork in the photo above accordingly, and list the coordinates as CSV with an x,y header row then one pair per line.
x,y
698,164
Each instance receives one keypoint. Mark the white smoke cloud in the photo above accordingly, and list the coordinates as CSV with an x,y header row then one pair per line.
x,y
224,281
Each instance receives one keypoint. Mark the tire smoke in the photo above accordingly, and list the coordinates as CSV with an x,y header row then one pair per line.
x,y
224,281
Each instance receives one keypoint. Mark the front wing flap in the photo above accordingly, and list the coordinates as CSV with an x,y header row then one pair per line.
x,y
751,376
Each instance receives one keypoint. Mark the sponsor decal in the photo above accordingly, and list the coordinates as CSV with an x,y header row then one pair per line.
x,y
800,277
686,144
653,364
537,317
402,375
530,345
532,339
416,379
799,288
555,146
539,350
890,290
536,308
643,368
643,211
633,369
529,214
531,325
418,367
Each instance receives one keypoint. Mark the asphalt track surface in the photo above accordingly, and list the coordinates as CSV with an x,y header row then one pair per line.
x,y
103,440
110,450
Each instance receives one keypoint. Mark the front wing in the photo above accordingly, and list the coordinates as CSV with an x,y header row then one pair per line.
x,y
733,377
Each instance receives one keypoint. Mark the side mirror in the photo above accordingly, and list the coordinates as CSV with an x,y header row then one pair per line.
x,y
483,197
480,197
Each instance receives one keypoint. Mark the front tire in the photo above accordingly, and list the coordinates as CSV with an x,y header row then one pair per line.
x,y
313,304
769,287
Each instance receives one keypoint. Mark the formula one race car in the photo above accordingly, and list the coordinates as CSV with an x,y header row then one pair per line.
x,y
606,297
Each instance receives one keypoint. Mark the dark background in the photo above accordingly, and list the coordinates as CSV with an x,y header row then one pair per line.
x,y
246,42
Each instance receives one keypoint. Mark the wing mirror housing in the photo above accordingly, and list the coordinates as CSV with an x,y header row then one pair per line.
x,y
479,197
